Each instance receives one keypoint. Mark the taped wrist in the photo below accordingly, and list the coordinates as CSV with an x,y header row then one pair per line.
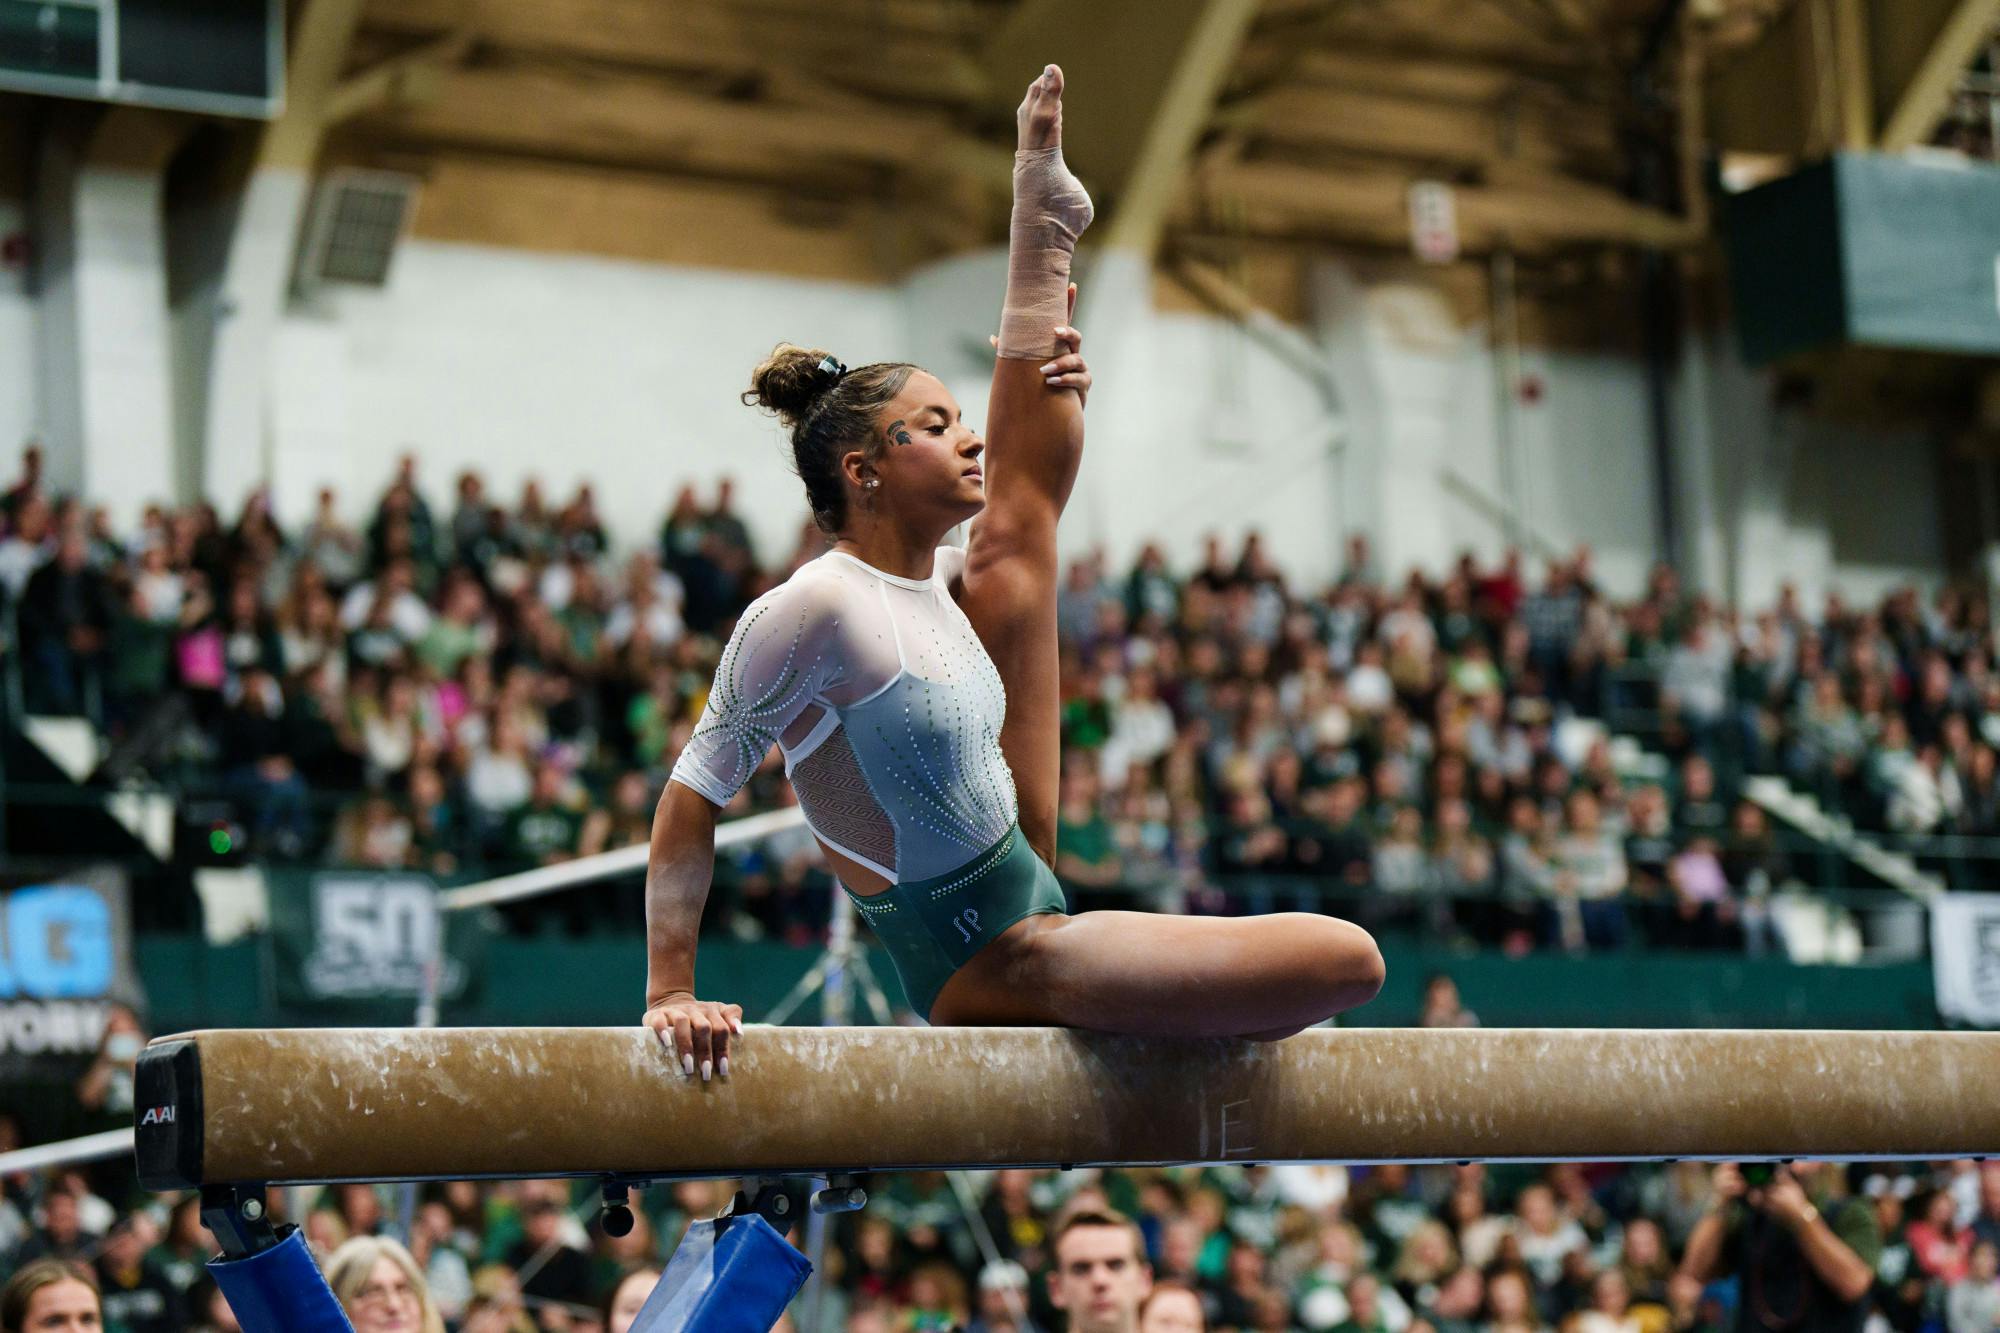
x,y
1051,211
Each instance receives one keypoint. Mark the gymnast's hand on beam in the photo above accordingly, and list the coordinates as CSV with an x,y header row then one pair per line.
x,y
1067,370
695,1033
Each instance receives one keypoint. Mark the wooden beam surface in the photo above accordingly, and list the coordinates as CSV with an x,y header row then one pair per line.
x,y
330,1104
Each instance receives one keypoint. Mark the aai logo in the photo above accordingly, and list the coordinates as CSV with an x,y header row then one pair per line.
x,y
157,1115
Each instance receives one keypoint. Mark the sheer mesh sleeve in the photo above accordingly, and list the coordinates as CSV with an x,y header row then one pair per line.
x,y
782,656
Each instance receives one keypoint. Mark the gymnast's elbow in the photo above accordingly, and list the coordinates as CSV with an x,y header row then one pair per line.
x,y
684,816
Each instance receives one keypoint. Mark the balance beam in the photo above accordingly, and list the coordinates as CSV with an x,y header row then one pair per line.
x,y
288,1107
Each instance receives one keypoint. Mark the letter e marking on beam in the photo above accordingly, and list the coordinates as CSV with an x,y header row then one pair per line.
x,y
1225,1122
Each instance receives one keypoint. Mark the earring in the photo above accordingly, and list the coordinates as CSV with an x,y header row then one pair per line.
x,y
872,483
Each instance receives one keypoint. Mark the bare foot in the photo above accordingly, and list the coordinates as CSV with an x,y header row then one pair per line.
x,y
1039,119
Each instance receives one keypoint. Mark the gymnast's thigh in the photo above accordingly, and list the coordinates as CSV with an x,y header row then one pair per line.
x,y
1157,975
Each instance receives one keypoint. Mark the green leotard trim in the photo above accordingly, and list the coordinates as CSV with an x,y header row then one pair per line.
x,y
932,927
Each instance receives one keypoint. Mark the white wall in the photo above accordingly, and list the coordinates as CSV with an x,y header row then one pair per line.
x,y
18,337
626,374
1422,395
563,368
1823,504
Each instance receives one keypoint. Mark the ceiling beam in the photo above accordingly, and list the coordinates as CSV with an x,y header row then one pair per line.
x,y
409,77
1457,29
1438,78
1434,131
1944,36
322,32
640,119
707,37
1373,206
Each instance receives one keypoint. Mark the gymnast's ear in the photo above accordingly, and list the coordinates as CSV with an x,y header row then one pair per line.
x,y
857,469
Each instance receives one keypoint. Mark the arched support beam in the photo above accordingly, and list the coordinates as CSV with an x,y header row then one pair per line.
x,y
306,1106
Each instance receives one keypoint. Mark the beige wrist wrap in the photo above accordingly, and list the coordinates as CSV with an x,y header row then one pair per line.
x,y
1051,211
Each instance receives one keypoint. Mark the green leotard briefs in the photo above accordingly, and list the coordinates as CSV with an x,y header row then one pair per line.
x,y
932,927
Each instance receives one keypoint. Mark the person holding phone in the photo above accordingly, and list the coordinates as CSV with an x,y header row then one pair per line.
x,y
1805,1257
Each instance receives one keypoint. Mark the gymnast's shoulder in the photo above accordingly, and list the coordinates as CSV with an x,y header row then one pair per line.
x,y
948,567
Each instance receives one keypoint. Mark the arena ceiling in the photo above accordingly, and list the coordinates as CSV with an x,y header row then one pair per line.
x,y
870,135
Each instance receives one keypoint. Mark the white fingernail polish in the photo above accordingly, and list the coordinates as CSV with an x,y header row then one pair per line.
x,y
687,1065
707,1070
737,1023
724,1066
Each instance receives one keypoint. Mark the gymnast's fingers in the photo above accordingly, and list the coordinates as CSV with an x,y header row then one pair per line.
x,y
1067,336
993,341
733,1013
1072,302
703,1029
684,1040
719,1030
656,1020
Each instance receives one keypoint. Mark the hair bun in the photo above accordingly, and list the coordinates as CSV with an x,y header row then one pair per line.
x,y
790,381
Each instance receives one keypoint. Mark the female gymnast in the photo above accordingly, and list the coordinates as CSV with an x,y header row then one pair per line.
x,y
912,690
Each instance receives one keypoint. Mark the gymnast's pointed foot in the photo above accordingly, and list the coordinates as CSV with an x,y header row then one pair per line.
x,y
1051,212
1039,118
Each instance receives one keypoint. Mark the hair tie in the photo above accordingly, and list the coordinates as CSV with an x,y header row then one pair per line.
x,y
832,367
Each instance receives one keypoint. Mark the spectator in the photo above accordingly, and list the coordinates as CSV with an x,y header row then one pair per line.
x,y
1510,1305
548,828
1547,1235
1172,1307
1941,1249
628,1297
67,611
555,1269
1973,1305
1808,1268
1099,1275
380,1287
1442,1008
61,1235
50,1296
137,1294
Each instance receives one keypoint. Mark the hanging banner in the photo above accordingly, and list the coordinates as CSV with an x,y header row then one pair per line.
x,y
65,958
1965,957
366,941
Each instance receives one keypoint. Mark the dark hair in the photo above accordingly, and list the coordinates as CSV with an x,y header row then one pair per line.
x,y
828,413
21,1288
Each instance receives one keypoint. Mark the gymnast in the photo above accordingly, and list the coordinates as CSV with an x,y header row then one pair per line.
x,y
912,691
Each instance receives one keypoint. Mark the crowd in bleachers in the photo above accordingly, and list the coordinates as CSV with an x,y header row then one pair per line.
x,y
490,684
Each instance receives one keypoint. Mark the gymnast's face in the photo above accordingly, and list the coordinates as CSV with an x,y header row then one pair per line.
x,y
927,458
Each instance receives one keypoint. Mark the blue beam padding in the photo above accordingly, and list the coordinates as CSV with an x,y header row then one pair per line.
x,y
732,1275
280,1290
